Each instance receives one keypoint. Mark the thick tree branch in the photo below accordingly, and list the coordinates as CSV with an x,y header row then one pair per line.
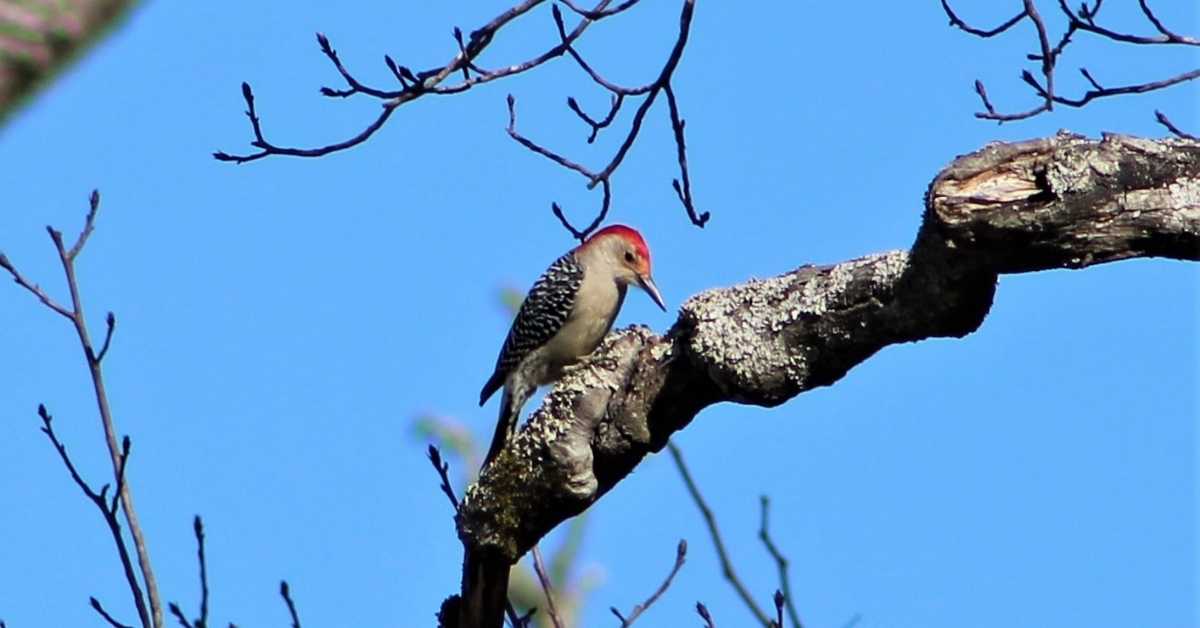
x,y
1059,202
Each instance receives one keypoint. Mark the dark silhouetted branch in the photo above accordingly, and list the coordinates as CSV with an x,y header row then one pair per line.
x,y
443,470
412,85
710,520
539,568
202,620
1083,21
286,593
99,608
781,562
680,558
649,92
110,516
1163,120
702,611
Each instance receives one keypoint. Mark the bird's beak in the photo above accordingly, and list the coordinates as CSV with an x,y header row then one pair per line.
x,y
647,284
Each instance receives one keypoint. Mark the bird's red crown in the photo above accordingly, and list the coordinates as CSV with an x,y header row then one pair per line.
x,y
629,234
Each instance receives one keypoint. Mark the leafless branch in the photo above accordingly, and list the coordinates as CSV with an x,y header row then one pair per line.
x,y
597,125
202,620
1163,120
179,616
779,600
781,562
1083,21
680,557
110,517
711,521
412,86
595,15
649,92
153,615
539,568
110,323
702,610
286,593
443,470
96,606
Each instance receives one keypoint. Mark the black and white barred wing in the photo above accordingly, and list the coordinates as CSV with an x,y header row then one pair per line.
x,y
542,314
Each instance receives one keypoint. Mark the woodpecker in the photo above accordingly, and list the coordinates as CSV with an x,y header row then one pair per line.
x,y
564,317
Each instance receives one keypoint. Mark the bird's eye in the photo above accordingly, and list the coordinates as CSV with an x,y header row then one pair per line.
x,y
629,256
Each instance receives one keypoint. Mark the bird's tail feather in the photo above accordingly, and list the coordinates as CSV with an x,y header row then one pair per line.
x,y
506,424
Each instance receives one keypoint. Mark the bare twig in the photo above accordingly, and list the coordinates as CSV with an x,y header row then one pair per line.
x,y
540,569
198,528
702,610
110,519
595,15
286,593
412,86
96,606
179,616
151,613
711,521
680,557
649,92
779,601
781,562
1163,120
597,125
1083,21
443,470
110,322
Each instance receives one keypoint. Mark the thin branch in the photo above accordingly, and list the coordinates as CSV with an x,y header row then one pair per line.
x,y
684,191
680,557
153,614
779,600
198,527
781,562
711,522
596,15
96,606
1163,120
110,519
89,225
605,203
286,593
1083,21
412,86
126,445
650,91
1166,36
702,610
179,616
443,470
110,322
540,569
34,289
978,32
597,125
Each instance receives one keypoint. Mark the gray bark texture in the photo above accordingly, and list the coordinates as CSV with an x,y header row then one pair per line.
x,y
1059,202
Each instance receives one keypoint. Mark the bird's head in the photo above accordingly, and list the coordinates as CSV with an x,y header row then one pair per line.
x,y
623,250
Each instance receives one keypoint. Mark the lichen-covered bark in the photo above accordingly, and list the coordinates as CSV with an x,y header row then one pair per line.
x,y
39,37
1060,202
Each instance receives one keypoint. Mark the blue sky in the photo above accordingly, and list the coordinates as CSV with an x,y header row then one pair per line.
x,y
282,322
